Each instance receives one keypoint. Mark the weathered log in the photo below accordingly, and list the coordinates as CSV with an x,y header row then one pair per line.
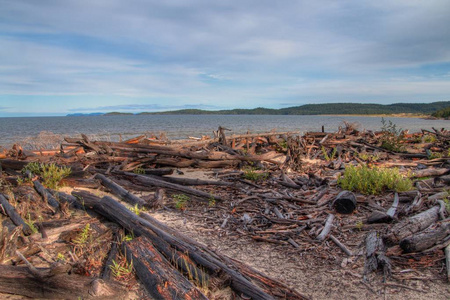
x,y
159,171
13,164
430,172
63,197
375,255
447,261
424,240
112,254
194,181
6,207
162,240
81,182
340,245
18,280
159,278
120,214
385,217
411,225
327,228
345,202
145,180
46,194
120,191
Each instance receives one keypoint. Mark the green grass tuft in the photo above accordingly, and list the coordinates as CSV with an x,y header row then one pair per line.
x,y
373,181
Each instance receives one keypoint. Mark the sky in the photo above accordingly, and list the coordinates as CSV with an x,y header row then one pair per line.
x,y
83,56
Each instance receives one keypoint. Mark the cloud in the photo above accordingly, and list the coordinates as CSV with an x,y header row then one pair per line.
x,y
224,54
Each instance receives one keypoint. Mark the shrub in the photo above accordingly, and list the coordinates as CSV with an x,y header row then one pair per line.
x,y
392,138
180,201
51,173
372,181
253,175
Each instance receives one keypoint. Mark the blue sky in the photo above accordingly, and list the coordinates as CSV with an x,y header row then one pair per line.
x,y
60,57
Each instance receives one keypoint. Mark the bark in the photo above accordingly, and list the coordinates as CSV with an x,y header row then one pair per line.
x,y
145,180
159,278
18,280
345,202
424,240
375,255
327,228
46,194
411,225
120,191
163,241
14,215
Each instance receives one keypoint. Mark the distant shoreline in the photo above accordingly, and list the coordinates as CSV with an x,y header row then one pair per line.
x,y
400,110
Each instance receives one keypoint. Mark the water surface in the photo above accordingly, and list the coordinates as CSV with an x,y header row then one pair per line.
x,y
182,126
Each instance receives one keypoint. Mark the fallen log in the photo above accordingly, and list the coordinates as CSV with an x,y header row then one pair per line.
x,y
13,164
424,240
385,217
375,255
115,211
411,225
345,202
327,228
18,280
11,212
46,194
159,278
145,180
120,191
430,172
194,181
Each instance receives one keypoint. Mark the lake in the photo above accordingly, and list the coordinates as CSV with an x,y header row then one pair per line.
x,y
29,129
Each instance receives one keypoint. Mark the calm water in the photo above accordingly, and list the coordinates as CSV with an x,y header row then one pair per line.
x,y
180,127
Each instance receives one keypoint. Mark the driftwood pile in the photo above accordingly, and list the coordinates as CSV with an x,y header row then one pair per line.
x,y
278,188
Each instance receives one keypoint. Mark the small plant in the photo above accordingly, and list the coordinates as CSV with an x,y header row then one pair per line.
x,y
139,170
180,201
122,269
126,238
392,138
373,181
33,167
429,138
368,157
83,236
19,180
359,225
253,175
433,155
51,173
329,157
211,201
61,257
136,209
31,224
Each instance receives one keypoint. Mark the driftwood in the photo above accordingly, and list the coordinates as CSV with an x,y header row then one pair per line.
x,y
48,197
385,217
120,191
10,211
375,255
345,202
115,211
54,285
159,278
146,180
411,225
327,228
424,240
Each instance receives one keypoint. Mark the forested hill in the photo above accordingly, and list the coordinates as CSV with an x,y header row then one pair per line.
x,y
324,109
